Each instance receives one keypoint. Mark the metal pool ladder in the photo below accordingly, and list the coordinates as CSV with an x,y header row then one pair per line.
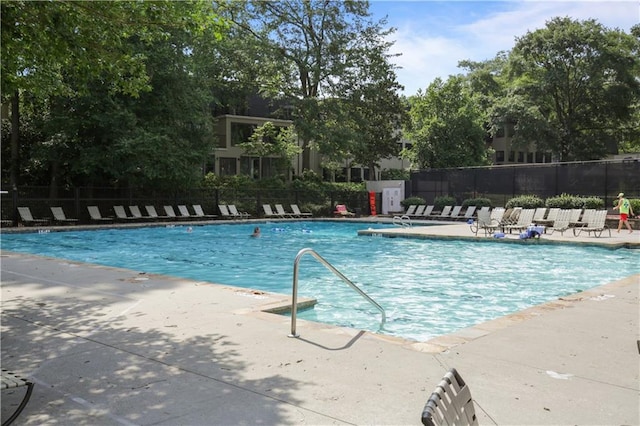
x,y
294,296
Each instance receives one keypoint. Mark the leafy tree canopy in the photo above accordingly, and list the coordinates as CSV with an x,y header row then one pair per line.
x,y
573,89
446,126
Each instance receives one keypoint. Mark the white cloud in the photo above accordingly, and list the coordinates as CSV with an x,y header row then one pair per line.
x,y
426,56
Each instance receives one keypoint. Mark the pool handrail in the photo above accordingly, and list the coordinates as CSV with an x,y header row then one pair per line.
x,y
294,295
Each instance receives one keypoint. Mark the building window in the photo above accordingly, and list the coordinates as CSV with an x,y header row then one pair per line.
x,y
250,166
500,132
241,132
228,166
530,157
520,157
512,156
499,156
222,141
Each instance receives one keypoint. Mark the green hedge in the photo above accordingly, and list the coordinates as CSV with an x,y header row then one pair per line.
x,y
525,201
412,201
478,202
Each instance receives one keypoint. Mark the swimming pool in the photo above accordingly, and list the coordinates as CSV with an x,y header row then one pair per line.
x,y
427,287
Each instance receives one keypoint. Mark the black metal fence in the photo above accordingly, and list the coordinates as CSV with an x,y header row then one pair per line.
x,y
603,179
74,201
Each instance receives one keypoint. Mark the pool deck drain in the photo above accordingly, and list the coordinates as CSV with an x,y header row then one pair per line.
x,y
109,346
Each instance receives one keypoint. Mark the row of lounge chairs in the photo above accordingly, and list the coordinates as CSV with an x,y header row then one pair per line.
x,y
227,211
555,220
447,213
282,213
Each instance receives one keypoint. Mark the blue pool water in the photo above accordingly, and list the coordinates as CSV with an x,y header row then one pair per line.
x,y
427,287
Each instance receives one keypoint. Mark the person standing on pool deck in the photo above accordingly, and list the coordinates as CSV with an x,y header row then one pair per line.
x,y
625,212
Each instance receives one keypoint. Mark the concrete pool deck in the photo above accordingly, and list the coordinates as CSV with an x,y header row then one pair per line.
x,y
109,346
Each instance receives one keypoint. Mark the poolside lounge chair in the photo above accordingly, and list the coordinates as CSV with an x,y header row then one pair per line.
x,y
575,216
60,218
96,216
551,217
121,214
234,212
171,213
296,210
224,211
561,222
27,218
136,213
184,212
410,210
444,214
468,214
455,213
538,214
597,224
268,212
427,211
524,220
11,381
199,212
485,223
419,211
587,214
342,211
280,210
153,214
450,403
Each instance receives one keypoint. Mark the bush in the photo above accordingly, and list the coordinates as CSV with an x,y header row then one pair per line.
x,y
564,201
635,206
478,202
593,203
445,200
411,201
525,201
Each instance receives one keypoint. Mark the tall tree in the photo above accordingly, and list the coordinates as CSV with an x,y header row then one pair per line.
x,y
65,51
304,49
574,89
446,126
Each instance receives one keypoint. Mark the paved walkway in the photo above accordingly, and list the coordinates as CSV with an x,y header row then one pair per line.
x,y
109,346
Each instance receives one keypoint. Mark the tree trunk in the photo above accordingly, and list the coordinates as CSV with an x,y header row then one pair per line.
x,y
15,139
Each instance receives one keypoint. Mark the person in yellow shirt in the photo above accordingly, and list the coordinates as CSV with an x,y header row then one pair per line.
x,y
625,212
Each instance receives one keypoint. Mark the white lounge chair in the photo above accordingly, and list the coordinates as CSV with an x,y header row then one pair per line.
x,y
418,212
199,212
450,403
562,221
268,212
597,224
121,214
524,220
153,214
136,213
234,212
455,213
27,218
296,210
280,210
60,218
485,223
96,216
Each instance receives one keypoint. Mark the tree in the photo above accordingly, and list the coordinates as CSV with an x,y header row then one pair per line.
x,y
446,127
270,140
573,89
63,53
305,49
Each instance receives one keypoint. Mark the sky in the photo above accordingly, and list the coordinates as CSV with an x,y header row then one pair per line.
x,y
433,36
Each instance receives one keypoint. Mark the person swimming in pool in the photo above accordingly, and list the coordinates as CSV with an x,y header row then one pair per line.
x,y
256,232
